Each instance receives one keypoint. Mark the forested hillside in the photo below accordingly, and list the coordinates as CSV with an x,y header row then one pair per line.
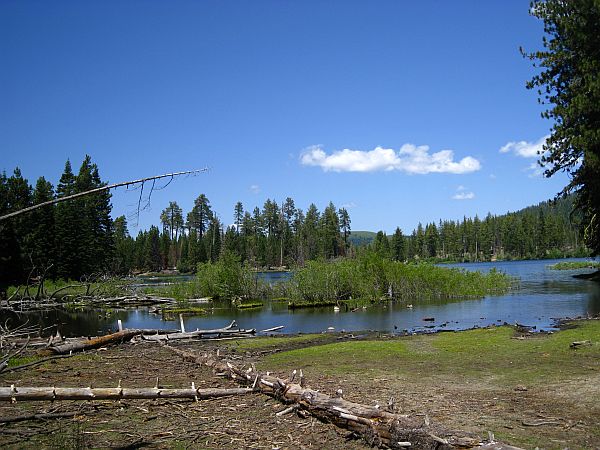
x,y
547,230
78,238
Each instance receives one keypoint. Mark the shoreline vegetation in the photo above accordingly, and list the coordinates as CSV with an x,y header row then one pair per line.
x,y
352,282
575,265
54,242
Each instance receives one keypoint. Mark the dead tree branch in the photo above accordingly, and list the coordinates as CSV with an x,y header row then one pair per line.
x,y
100,189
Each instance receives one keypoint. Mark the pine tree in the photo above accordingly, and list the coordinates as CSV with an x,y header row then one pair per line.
x,y
345,226
398,245
40,240
68,225
124,259
570,85
11,264
153,259
95,240
330,232
200,216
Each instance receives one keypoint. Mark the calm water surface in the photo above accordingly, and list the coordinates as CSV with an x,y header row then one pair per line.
x,y
541,297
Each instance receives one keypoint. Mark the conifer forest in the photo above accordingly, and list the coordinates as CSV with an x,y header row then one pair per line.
x,y
78,237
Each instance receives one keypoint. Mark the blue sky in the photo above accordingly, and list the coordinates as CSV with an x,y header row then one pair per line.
x,y
352,102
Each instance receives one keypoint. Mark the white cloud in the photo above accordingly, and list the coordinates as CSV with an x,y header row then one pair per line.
x,y
255,188
460,187
349,205
464,196
525,149
410,159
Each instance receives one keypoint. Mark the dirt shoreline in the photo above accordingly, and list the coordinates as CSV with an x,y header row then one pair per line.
x,y
550,415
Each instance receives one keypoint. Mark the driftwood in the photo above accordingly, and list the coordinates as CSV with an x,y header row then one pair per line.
x,y
269,330
13,393
78,345
577,344
230,330
377,426
89,344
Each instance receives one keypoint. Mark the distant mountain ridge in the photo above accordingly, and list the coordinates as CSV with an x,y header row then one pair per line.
x,y
359,238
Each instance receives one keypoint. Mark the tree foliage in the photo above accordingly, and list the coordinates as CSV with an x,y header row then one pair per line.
x,y
569,84
67,240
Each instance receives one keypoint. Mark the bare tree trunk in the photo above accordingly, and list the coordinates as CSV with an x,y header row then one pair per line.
x,y
89,344
378,427
14,393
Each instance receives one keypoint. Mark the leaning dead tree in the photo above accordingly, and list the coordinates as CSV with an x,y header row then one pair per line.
x,y
108,187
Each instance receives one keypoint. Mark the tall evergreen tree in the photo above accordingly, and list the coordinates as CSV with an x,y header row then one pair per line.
x,y
570,85
153,257
40,240
200,216
68,224
11,261
330,232
398,247
345,226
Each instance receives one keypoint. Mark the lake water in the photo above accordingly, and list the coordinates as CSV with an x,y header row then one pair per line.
x,y
541,297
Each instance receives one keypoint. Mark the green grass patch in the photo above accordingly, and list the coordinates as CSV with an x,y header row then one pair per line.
x,y
19,360
266,343
491,354
249,304
190,310
575,265
340,357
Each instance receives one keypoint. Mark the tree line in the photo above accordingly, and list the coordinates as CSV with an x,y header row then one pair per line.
x,y
547,230
68,240
77,238
276,235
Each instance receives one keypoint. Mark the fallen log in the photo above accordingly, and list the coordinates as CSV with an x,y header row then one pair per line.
x,y
577,344
198,334
13,393
269,330
89,344
377,426
230,330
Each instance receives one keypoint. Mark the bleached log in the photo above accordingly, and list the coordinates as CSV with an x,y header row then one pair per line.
x,y
377,426
230,330
24,393
269,330
89,344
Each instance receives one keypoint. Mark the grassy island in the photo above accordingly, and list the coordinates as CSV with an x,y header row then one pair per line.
x,y
575,265
372,278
